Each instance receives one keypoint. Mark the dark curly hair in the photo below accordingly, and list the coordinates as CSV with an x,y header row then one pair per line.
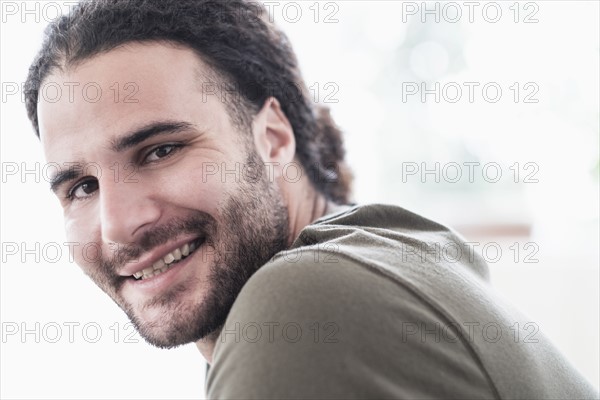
x,y
234,38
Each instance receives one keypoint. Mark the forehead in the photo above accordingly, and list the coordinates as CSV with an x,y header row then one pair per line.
x,y
119,90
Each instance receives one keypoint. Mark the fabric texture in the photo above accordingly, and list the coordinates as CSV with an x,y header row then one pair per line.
x,y
376,302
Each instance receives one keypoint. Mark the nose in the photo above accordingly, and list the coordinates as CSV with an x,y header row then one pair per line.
x,y
127,210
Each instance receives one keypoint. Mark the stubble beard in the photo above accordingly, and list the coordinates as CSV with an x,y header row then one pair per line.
x,y
253,227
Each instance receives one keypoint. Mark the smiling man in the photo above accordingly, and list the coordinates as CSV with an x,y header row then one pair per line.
x,y
216,194
154,220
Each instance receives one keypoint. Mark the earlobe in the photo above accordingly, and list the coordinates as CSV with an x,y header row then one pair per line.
x,y
273,133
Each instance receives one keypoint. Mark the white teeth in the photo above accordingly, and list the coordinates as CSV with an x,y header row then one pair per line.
x,y
185,250
159,264
169,258
177,254
166,262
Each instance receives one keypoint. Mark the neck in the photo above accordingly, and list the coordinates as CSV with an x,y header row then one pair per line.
x,y
304,208
206,345
305,205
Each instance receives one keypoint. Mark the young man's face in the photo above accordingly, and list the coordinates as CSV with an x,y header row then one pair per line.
x,y
160,174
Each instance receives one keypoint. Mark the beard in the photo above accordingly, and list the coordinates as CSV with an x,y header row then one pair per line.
x,y
252,227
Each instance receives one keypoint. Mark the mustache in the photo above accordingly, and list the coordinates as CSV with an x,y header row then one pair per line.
x,y
200,223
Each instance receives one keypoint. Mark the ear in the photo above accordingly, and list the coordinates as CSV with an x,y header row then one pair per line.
x,y
273,134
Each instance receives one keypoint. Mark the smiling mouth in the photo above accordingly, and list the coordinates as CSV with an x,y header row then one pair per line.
x,y
169,260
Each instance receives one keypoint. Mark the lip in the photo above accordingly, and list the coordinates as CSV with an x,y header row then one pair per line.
x,y
159,283
148,259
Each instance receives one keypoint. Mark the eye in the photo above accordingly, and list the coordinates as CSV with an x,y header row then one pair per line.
x,y
83,189
159,152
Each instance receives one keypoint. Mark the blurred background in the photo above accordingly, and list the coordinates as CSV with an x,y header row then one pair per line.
x,y
484,117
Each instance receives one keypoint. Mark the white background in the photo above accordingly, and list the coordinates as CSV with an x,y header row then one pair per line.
x,y
367,50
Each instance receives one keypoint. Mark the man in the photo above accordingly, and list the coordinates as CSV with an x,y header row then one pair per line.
x,y
217,193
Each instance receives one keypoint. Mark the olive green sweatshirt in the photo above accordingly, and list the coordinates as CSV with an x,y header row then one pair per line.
x,y
376,302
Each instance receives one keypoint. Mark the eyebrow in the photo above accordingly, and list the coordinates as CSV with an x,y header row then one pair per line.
x,y
146,132
62,177
123,143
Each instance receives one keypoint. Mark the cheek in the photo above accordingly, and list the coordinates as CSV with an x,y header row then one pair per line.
x,y
83,240
203,186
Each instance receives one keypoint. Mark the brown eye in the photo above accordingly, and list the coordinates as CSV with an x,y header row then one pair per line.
x,y
160,152
83,189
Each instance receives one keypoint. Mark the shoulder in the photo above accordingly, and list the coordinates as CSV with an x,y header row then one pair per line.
x,y
315,324
315,282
